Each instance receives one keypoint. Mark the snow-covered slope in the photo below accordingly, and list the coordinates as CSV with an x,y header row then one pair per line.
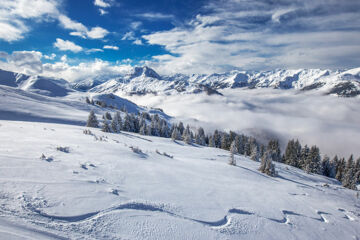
x,y
144,80
103,190
45,86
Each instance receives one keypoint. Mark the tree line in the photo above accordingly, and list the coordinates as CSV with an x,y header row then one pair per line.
x,y
303,157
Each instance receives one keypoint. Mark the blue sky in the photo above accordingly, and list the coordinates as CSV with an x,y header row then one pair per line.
x,y
54,37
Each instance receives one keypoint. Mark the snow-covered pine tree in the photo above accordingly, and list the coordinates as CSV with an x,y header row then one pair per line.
x,y
334,165
92,120
326,166
142,130
266,165
274,148
181,128
211,141
105,127
340,171
175,135
313,161
254,152
114,125
200,136
224,141
233,151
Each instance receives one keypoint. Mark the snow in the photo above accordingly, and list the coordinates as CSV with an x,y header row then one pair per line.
x,y
102,189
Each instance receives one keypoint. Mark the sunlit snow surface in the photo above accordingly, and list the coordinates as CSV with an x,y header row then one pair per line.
x,y
103,190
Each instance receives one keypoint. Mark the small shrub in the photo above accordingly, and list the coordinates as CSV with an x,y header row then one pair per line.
x,y
63,149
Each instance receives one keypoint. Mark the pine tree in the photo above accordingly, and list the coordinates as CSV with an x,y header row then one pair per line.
x,y
181,128
254,155
224,139
313,161
233,151
108,116
325,166
105,127
200,136
274,148
87,100
92,120
266,165
340,170
142,130
211,141
175,135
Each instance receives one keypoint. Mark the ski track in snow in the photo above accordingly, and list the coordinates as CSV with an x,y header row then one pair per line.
x,y
138,206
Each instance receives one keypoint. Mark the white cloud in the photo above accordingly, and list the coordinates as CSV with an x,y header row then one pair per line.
x,y
111,47
66,45
102,3
50,57
129,36
14,13
14,16
97,33
81,30
93,50
86,70
28,62
154,16
261,35
138,42
135,25
279,113
102,11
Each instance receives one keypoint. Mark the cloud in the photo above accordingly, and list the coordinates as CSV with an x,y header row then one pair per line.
x,y
66,45
97,33
262,35
81,30
285,114
15,16
111,47
28,62
131,37
97,69
93,50
154,16
135,25
50,57
15,13
102,3
138,42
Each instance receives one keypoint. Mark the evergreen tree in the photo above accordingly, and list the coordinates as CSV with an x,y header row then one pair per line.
x,y
340,170
217,139
142,130
105,127
333,166
266,165
211,141
254,155
200,136
175,135
274,148
233,151
181,128
313,161
326,166
92,120
87,100
224,141
108,116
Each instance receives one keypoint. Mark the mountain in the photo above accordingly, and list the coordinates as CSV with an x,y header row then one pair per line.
x,y
143,80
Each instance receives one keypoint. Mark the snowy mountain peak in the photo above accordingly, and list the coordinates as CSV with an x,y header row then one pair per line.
x,y
144,72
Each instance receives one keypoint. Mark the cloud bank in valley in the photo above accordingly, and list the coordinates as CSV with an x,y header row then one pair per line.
x,y
330,122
